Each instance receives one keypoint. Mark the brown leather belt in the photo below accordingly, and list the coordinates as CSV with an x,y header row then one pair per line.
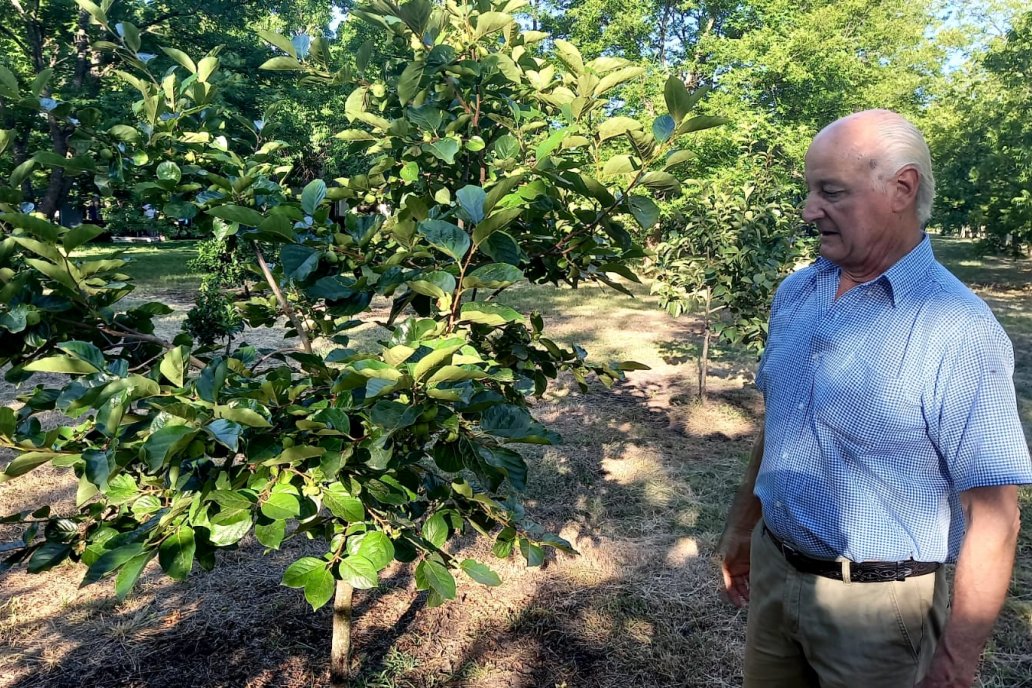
x,y
859,572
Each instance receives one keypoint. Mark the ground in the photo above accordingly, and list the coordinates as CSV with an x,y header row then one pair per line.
x,y
640,485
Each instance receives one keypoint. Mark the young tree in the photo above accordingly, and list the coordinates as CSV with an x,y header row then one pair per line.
x,y
479,149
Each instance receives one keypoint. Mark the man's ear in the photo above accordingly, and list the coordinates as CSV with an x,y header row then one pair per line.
x,y
905,188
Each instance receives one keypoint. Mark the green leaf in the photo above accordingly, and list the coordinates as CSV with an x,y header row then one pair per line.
x,y
312,195
701,123
644,210
97,466
489,22
180,57
84,351
319,587
231,529
446,237
297,573
61,364
662,182
355,135
408,82
471,199
281,63
377,548
206,67
570,56
298,261
127,576
173,365
358,572
122,489
678,101
55,272
409,171
550,144
615,126
271,535
165,443
663,128
49,555
494,222
237,213
481,573
433,576
620,164
8,83
492,276
110,561
8,422
77,236
444,149
168,171
492,314
435,530
176,553
342,504
226,432
244,416
616,78
280,41
515,423
281,505
24,463
534,554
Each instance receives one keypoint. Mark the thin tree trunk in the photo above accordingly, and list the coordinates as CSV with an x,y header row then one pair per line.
x,y
664,21
340,649
704,356
302,334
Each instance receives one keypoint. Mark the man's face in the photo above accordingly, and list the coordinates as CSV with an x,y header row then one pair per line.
x,y
848,202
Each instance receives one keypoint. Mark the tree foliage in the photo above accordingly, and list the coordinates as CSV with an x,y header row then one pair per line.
x,y
486,162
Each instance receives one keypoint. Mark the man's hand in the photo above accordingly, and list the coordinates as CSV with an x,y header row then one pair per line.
x,y
736,541
735,567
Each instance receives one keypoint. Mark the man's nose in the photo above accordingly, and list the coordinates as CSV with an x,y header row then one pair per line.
x,y
811,211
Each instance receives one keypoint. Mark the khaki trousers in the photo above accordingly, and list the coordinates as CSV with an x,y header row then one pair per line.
x,y
810,631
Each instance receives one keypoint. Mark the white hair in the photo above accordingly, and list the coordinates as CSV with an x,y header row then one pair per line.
x,y
903,145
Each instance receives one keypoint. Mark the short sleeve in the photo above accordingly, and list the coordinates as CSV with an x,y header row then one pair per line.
x,y
973,419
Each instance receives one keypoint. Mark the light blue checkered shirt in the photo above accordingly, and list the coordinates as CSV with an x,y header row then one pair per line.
x,y
881,407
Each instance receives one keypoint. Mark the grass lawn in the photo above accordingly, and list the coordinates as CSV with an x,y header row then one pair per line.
x,y
158,266
640,485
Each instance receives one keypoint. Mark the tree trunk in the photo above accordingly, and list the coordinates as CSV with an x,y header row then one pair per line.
x,y
340,649
664,21
704,354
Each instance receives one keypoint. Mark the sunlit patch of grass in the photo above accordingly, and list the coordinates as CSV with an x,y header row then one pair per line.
x,y
152,266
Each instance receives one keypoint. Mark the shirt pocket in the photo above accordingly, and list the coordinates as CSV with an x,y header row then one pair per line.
x,y
871,409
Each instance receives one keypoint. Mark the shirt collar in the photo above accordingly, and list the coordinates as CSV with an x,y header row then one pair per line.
x,y
900,279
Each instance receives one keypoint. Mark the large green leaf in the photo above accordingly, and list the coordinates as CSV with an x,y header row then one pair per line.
x,y
61,364
488,313
435,530
359,572
173,365
615,126
499,219
446,237
377,548
444,149
489,22
342,504
408,82
165,443
570,56
281,505
237,213
312,195
481,573
244,416
433,576
700,123
515,423
110,561
129,573
644,210
23,463
176,553
471,199
492,276
297,573
180,57
299,261
663,128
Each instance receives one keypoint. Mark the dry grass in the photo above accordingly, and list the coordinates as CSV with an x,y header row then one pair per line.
x,y
640,486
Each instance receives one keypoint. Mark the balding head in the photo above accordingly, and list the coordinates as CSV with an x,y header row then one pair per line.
x,y
887,143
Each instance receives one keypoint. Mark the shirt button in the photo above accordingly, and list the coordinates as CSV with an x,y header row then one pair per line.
x,y
801,406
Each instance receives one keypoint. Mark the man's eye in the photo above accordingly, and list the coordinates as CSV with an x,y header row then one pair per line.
x,y
828,193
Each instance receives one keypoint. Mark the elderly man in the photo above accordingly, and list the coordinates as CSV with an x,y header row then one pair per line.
x,y
891,445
